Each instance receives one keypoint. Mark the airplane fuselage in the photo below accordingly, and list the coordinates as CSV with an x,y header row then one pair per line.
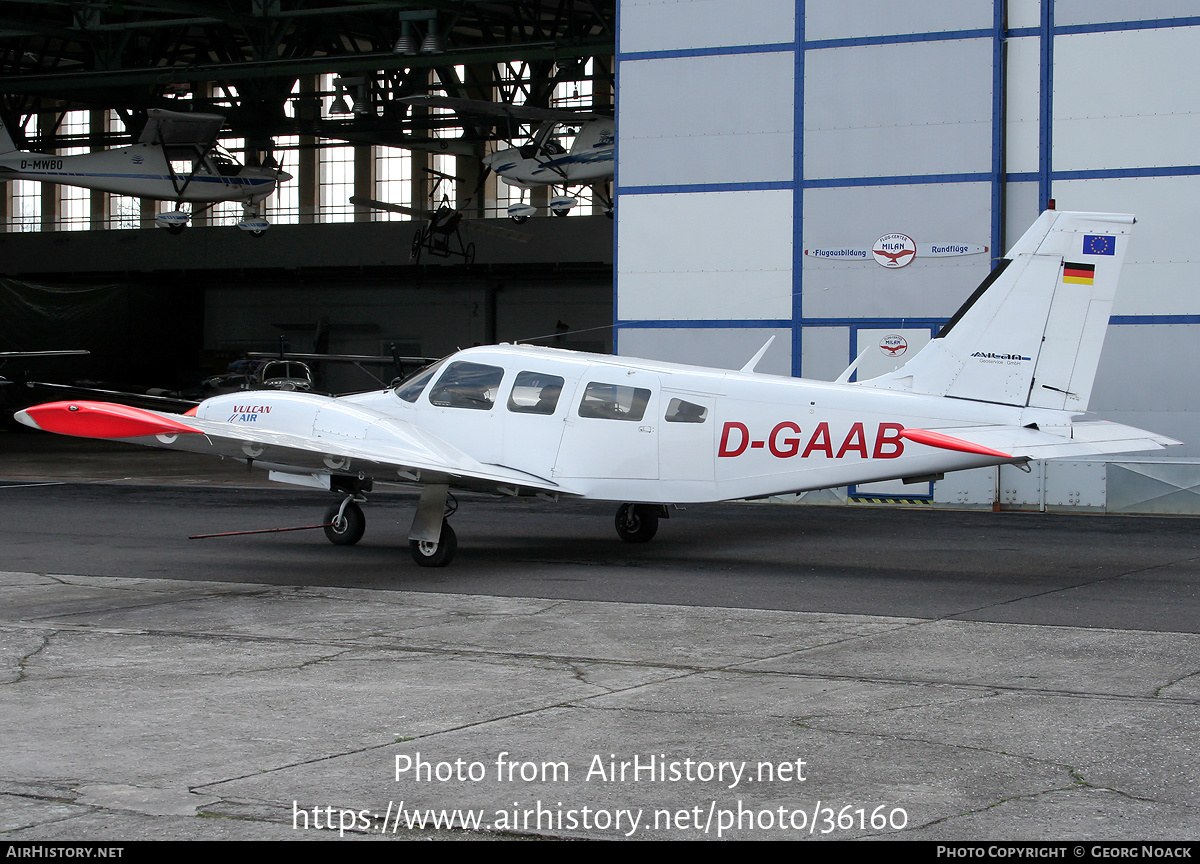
x,y
142,170
590,159
640,431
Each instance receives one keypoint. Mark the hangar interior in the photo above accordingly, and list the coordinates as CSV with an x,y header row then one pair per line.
x,y
747,143
315,88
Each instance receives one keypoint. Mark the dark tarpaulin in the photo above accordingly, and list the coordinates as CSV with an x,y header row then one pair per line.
x,y
136,334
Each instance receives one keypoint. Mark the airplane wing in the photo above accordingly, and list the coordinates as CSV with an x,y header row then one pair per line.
x,y
1087,438
387,449
501,109
177,127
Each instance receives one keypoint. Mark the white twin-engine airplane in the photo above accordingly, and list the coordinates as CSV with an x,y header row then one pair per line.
x,y
1001,383
175,159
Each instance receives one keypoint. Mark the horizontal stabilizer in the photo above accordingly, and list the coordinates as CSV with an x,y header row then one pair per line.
x,y
1089,438
948,442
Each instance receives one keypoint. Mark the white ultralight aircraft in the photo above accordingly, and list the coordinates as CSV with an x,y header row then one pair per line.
x,y
544,161
176,158
1001,383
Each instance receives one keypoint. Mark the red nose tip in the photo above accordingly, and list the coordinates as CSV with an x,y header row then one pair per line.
x,y
99,420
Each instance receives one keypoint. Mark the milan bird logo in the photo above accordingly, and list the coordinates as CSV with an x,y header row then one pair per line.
x,y
894,257
894,250
893,345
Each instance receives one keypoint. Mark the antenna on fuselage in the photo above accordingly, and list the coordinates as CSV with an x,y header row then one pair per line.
x,y
749,367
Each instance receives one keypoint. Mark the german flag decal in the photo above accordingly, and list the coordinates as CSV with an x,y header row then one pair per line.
x,y
1079,274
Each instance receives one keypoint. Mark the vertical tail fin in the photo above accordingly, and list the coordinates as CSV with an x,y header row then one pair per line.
x,y
6,141
1031,334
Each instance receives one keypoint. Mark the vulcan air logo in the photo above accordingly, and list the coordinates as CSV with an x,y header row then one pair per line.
x,y
787,440
248,413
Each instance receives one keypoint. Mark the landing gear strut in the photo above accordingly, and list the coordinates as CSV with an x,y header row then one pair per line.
x,y
431,540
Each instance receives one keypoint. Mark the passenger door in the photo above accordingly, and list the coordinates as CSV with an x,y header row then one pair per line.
x,y
611,430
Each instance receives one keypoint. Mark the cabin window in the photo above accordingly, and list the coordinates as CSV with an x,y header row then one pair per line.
x,y
535,393
467,385
412,386
614,402
680,411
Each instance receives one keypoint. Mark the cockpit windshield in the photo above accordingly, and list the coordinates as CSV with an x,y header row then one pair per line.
x,y
410,388
223,162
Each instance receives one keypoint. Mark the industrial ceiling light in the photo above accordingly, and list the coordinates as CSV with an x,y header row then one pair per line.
x,y
432,43
340,106
405,44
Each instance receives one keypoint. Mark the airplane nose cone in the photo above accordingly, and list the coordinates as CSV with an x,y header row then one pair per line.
x,y
283,176
23,417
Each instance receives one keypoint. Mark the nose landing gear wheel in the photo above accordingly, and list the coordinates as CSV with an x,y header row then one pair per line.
x,y
346,529
437,554
636,523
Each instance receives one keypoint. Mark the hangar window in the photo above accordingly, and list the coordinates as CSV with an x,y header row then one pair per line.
x,y
535,393
74,203
614,402
414,385
123,211
467,385
283,207
680,411
393,182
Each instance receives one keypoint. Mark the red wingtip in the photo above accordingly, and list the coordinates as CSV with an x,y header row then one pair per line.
x,y
948,442
100,420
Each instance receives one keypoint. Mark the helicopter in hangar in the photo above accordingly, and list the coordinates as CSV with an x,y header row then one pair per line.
x,y
176,158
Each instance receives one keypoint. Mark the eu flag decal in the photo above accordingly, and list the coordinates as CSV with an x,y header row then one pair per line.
x,y
1099,244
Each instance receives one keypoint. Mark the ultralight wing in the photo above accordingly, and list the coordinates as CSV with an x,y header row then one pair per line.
x,y
176,127
479,107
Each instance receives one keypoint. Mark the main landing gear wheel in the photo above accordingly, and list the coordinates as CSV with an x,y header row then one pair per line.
x,y
437,554
346,529
637,523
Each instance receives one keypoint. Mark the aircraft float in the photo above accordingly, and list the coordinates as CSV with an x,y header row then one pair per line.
x,y
176,158
1003,382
